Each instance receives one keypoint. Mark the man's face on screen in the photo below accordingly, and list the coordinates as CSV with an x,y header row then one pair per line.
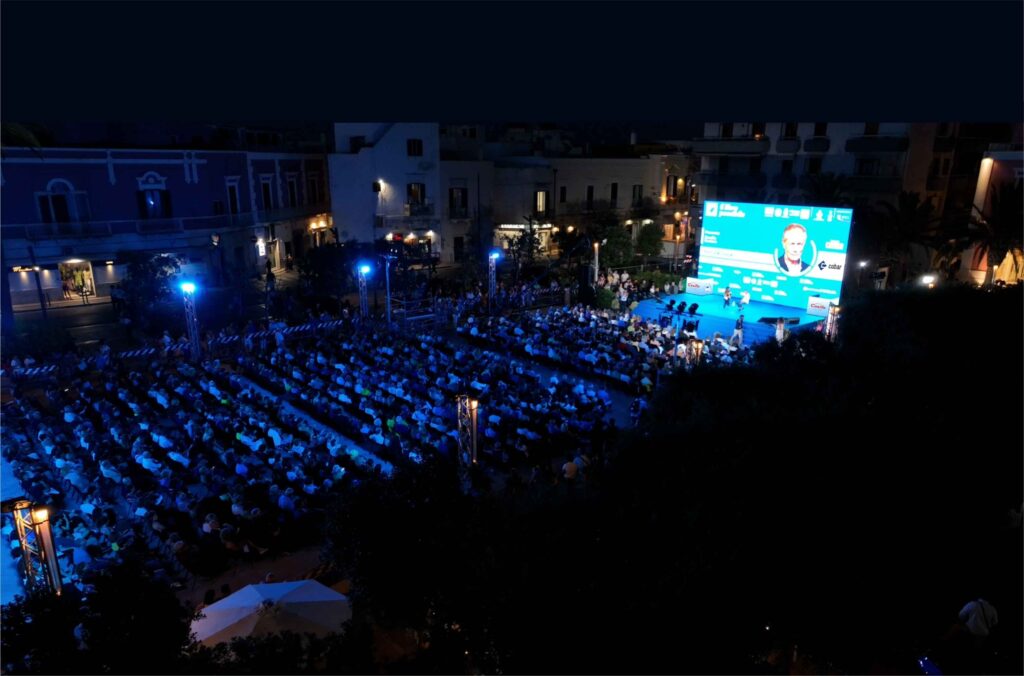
x,y
793,241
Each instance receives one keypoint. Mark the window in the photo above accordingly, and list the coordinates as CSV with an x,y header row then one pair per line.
x,y
355,143
267,194
313,189
866,167
755,166
821,128
293,192
758,129
615,195
789,130
813,165
726,130
540,202
723,165
787,168
590,197
458,202
672,185
562,194
871,129
61,203
154,203
416,193
233,197
638,195
414,147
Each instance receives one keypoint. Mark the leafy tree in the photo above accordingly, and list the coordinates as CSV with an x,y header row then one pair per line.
x,y
826,190
37,635
522,248
999,230
910,224
649,240
147,280
329,269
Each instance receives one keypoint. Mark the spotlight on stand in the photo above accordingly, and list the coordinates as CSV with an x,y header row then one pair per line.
x,y
364,305
492,278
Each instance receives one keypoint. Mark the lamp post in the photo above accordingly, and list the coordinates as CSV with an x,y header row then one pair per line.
x,y
832,323
492,279
364,304
188,294
39,557
387,282
675,254
597,248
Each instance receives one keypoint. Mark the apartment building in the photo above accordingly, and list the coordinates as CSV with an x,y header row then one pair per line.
x,y
68,212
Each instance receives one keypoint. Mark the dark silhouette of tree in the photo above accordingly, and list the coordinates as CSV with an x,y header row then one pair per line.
x,y
999,230
826,190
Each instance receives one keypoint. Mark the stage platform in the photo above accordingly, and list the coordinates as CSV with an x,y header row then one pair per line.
x,y
714,317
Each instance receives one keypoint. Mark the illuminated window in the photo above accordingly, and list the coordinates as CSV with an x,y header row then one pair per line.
x,y
672,185
540,202
414,147
458,202
416,193
758,129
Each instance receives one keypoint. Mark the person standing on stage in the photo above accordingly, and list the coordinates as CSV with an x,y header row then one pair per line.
x,y
738,331
727,297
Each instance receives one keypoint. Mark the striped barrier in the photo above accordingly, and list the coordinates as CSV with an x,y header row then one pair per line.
x,y
149,351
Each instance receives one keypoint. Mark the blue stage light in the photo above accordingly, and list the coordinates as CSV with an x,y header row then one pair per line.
x,y
188,287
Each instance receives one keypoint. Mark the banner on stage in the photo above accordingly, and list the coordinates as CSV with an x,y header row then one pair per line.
x,y
699,287
818,306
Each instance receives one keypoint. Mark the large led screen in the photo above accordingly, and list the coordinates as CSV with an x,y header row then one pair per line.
x,y
780,254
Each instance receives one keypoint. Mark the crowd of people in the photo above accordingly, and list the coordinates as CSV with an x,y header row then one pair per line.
x,y
612,344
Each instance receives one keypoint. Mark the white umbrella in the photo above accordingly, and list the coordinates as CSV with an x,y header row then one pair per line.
x,y
301,607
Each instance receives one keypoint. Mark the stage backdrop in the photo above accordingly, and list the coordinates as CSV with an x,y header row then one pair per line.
x,y
780,254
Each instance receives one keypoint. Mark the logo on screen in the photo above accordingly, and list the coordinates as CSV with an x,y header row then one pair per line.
x,y
712,208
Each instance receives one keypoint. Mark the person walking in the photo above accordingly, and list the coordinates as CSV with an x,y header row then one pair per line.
x,y
727,297
737,332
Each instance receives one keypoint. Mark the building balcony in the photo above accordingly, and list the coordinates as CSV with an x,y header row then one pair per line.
x,y
877,144
787,145
155,226
784,181
874,184
746,181
818,144
414,210
731,146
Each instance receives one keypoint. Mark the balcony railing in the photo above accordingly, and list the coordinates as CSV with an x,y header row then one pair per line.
x,y
874,184
749,181
877,144
419,210
787,145
87,229
731,146
818,144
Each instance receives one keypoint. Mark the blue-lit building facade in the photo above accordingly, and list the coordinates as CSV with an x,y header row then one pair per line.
x,y
72,212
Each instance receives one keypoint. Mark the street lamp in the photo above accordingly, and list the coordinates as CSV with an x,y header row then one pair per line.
x,y
597,247
387,281
38,555
492,281
188,294
675,255
364,306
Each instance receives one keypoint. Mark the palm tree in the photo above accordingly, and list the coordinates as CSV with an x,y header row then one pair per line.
x,y
826,190
909,223
999,230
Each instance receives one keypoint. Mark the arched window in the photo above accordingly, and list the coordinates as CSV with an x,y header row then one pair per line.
x,y
154,200
61,203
